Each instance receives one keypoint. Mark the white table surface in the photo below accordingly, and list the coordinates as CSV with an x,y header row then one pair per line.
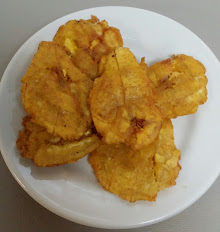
x,y
19,19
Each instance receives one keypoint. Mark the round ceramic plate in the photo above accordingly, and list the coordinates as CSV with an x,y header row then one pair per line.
x,y
72,190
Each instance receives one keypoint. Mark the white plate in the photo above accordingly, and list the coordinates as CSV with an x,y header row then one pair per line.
x,y
72,191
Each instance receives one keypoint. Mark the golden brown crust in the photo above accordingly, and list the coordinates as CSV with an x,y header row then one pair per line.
x,y
55,93
47,150
180,84
86,41
122,104
138,175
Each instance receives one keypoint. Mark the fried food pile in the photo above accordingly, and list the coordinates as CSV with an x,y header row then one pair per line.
x,y
85,93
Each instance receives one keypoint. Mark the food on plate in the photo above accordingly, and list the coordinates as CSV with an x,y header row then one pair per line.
x,y
84,87
138,175
180,83
121,102
86,41
48,150
55,93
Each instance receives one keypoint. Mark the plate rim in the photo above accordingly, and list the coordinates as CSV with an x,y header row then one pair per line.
x,y
37,197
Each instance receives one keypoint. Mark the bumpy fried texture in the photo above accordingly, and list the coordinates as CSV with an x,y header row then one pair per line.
x,y
180,83
138,175
166,157
47,150
55,93
86,41
121,102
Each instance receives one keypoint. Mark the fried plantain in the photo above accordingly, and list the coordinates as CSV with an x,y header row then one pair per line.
x,y
121,102
180,84
138,175
86,41
55,93
47,150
